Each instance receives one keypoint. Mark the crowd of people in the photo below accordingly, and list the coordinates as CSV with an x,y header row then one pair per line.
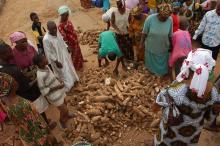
x,y
160,33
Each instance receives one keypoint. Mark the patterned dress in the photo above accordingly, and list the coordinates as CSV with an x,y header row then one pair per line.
x,y
32,129
193,110
70,37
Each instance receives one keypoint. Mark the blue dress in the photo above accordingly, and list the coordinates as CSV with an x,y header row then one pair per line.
x,y
157,44
106,5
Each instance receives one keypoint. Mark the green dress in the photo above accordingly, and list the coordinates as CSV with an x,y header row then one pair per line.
x,y
157,44
108,43
32,129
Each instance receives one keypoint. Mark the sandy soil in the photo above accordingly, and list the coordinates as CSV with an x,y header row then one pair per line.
x,y
15,17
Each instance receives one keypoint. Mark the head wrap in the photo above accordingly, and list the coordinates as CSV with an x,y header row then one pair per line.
x,y
165,9
63,9
17,36
6,82
136,11
201,62
176,4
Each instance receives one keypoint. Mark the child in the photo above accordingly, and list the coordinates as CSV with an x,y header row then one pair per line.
x,y
32,130
175,17
51,88
38,31
182,45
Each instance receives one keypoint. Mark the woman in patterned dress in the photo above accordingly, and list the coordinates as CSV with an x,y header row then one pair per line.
x,y
188,102
70,37
32,130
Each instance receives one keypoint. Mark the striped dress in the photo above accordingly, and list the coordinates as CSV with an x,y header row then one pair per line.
x,y
47,80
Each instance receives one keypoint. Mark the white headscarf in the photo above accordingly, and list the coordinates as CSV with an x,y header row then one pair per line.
x,y
201,62
64,9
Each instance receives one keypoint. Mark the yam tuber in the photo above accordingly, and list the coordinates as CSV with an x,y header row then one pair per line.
x,y
101,98
118,92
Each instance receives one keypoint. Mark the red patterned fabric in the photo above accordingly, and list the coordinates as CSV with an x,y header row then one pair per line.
x,y
70,37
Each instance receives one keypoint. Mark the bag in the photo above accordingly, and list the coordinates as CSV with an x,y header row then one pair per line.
x,y
173,120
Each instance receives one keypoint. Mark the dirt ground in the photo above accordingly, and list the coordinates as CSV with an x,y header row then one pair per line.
x,y
15,17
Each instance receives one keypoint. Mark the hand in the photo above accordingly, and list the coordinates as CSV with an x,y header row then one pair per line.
x,y
141,46
61,85
40,37
69,50
115,72
124,68
58,64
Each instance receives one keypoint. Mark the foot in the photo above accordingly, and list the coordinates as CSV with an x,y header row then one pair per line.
x,y
63,125
52,125
60,143
213,128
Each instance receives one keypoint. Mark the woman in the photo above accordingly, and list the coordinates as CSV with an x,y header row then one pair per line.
x,y
27,89
157,33
135,30
120,22
70,37
188,101
23,53
32,129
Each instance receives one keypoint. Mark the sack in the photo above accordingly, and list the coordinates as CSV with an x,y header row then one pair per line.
x,y
173,120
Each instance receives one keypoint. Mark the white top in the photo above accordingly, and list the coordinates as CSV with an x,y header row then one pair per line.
x,y
47,80
56,49
121,21
107,16
210,27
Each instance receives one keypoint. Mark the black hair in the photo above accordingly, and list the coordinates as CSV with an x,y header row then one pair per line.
x,y
37,59
183,23
32,15
112,56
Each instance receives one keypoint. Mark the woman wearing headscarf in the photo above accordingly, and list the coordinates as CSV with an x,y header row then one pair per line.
x,y
188,101
135,30
156,38
70,37
120,22
23,53
32,129
27,89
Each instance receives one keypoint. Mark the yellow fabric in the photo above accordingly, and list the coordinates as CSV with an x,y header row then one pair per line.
x,y
36,35
152,4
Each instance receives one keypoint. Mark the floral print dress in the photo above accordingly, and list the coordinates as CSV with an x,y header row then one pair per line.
x,y
70,37
194,111
32,129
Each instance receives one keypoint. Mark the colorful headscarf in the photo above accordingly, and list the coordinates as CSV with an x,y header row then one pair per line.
x,y
176,4
6,82
16,36
201,62
165,9
136,11
63,9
